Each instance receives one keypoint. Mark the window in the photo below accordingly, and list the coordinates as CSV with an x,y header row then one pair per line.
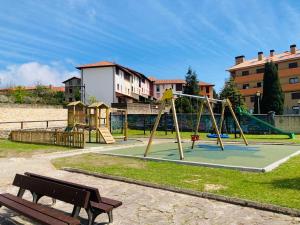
x,y
252,99
207,90
296,109
178,87
293,80
245,73
157,88
70,100
293,65
127,76
260,70
78,82
245,86
70,90
295,95
118,86
132,89
117,71
128,90
258,84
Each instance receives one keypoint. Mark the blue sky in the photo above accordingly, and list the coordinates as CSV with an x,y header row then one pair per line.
x,y
43,40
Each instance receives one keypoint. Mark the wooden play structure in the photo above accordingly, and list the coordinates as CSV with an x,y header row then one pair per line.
x,y
98,117
169,98
94,117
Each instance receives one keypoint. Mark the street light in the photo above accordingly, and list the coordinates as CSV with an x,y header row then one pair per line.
x,y
258,101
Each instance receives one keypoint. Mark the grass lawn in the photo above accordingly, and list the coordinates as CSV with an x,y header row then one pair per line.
x,y
279,187
17,149
187,135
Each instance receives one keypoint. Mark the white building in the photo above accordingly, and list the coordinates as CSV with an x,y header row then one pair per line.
x,y
112,83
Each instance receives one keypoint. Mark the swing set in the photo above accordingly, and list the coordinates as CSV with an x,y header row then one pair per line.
x,y
169,98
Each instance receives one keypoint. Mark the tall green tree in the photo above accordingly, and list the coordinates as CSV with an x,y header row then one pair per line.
x,y
186,104
231,91
192,83
273,98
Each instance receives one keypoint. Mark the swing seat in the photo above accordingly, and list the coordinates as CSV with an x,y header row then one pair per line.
x,y
216,136
195,137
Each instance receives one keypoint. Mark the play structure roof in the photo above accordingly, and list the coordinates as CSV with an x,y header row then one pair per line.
x,y
75,103
98,104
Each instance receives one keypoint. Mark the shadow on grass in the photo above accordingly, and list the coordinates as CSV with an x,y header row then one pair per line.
x,y
291,183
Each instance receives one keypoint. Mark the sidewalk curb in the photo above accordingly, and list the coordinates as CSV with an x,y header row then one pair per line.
x,y
231,200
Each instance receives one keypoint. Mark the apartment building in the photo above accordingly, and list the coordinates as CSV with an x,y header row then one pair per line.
x,y
248,75
113,83
159,86
72,89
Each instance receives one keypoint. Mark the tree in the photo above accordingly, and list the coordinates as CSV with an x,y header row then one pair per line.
x,y
192,83
231,91
185,104
273,97
19,93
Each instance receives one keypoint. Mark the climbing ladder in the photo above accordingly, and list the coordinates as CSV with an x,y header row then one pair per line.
x,y
106,135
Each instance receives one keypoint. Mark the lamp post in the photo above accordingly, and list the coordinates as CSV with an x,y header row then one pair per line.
x,y
258,101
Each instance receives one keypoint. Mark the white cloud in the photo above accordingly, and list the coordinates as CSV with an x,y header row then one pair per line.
x,y
32,72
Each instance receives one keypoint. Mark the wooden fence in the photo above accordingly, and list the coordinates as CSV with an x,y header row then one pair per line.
x,y
68,139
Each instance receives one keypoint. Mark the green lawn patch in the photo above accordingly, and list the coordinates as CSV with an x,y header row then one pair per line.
x,y
18,149
279,187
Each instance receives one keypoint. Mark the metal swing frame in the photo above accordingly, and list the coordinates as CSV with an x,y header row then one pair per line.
x,y
169,97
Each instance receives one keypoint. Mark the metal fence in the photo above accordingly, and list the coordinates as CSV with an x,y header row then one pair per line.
x,y
187,122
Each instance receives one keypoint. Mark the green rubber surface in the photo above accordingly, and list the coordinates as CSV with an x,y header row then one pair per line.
x,y
257,156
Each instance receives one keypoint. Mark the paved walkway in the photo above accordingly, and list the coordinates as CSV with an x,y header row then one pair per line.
x,y
141,205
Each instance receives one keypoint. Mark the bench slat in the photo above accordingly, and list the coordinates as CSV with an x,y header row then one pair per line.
x,y
95,195
43,209
30,213
62,192
101,206
112,202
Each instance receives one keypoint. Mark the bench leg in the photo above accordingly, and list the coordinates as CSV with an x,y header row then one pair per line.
x,y
110,216
76,211
21,192
36,197
91,216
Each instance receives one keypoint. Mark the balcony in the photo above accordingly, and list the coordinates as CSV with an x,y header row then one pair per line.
x,y
259,76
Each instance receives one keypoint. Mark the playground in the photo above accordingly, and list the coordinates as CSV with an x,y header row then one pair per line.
x,y
256,157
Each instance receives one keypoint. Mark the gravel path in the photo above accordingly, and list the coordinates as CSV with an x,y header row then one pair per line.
x,y
141,205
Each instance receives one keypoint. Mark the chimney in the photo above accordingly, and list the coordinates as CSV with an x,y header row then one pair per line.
x,y
293,49
260,56
272,52
239,59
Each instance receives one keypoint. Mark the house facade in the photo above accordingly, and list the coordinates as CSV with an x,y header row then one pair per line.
x,y
113,83
248,75
159,87
72,89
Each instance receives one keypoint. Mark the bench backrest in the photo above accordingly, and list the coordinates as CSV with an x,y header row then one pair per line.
x,y
94,192
72,195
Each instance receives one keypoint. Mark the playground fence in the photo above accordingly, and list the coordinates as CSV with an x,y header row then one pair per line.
x,y
60,138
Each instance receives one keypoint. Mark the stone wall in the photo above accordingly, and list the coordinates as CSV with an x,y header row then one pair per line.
x,y
18,113
289,123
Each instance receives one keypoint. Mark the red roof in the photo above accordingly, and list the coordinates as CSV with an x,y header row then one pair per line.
x,y
107,63
276,58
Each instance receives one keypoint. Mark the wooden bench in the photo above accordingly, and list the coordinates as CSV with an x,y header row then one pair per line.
x,y
97,203
79,198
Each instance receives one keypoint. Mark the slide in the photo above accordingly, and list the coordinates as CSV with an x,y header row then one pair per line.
x,y
106,135
279,131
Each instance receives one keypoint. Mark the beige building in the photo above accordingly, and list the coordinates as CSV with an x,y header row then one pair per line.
x,y
72,89
248,75
159,87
